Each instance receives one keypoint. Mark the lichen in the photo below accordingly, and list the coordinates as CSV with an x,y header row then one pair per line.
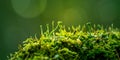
x,y
87,42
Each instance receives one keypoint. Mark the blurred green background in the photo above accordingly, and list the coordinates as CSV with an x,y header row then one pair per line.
x,y
20,19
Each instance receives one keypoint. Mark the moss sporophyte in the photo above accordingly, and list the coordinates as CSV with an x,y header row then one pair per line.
x,y
87,42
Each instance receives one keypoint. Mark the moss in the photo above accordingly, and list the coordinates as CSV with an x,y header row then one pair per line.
x,y
87,42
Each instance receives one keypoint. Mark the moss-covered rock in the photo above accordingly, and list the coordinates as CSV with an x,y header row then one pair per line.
x,y
89,42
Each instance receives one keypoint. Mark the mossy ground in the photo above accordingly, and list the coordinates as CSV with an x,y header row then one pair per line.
x,y
87,42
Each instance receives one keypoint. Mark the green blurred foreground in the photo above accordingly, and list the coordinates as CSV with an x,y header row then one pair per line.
x,y
87,42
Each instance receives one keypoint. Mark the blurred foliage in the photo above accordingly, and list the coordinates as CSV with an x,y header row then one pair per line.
x,y
87,42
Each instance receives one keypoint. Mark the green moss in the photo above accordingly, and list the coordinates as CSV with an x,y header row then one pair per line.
x,y
87,42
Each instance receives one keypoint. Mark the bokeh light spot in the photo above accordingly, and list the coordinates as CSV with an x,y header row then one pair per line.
x,y
29,8
73,16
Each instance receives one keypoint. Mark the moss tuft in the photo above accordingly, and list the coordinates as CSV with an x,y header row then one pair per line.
x,y
87,42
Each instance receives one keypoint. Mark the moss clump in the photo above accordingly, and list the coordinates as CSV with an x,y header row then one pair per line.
x,y
89,42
